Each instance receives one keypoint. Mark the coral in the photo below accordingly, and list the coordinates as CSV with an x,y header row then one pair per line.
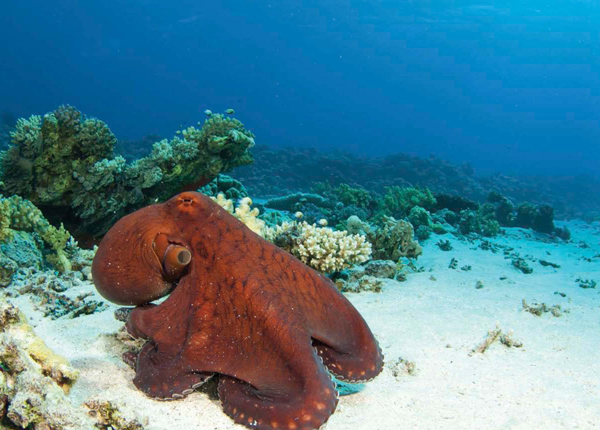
x,y
393,240
538,218
398,201
419,216
503,208
223,184
355,225
321,248
421,220
274,217
65,164
34,380
345,194
243,212
479,222
295,202
17,213
453,203
312,213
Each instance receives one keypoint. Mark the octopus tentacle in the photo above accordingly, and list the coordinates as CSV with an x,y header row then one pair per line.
x,y
353,366
165,379
308,409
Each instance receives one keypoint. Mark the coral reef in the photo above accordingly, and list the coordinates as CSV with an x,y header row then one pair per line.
x,y
66,165
290,170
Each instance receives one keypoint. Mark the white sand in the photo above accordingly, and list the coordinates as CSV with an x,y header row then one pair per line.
x,y
552,382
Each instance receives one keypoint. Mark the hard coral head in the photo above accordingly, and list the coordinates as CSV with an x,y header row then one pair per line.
x,y
141,258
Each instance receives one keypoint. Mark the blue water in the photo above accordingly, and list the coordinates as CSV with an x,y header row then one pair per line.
x,y
511,88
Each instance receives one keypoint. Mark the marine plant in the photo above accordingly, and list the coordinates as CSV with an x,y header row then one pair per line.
x,y
66,165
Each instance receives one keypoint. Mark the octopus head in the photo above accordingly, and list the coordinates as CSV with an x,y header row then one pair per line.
x,y
142,257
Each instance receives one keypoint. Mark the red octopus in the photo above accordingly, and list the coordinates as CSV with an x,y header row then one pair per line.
x,y
240,307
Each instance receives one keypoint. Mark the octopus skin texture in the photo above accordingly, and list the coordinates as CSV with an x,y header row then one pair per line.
x,y
268,325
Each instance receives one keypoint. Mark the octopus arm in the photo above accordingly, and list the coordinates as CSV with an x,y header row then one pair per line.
x,y
342,338
290,390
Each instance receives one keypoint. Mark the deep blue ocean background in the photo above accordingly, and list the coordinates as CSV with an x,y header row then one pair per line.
x,y
511,88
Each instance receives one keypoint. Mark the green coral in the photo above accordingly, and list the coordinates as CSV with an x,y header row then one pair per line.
x,y
295,202
480,222
226,185
17,213
65,163
399,201
344,193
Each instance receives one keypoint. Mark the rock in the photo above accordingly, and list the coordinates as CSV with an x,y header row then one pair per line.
x,y
381,269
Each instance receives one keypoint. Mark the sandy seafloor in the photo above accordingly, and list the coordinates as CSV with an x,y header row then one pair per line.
x,y
553,381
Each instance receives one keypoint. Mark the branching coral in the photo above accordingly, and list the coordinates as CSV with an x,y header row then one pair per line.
x,y
243,212
321,248
65,164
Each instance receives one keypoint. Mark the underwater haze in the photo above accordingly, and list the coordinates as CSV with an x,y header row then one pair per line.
x,y
281,215
511,87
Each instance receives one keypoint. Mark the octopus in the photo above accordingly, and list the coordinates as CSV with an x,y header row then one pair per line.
x,y
271,329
